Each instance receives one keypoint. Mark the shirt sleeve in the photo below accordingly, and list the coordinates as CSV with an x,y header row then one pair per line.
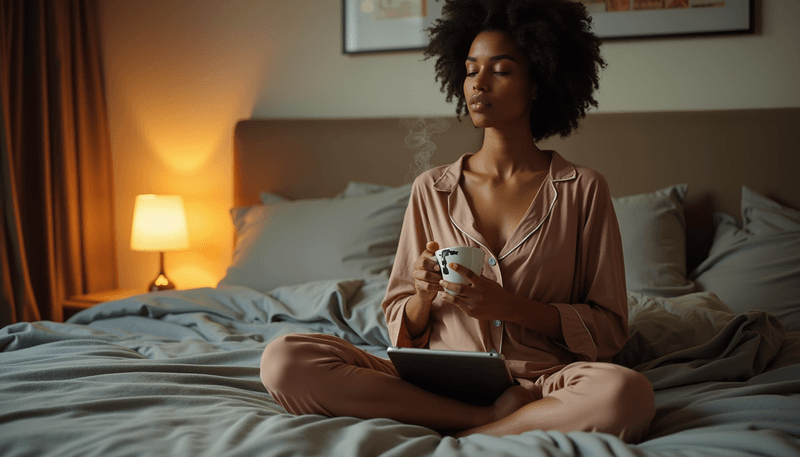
x,y
413,238
596,327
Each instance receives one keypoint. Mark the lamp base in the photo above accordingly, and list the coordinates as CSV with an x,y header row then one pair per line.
x,y
161,283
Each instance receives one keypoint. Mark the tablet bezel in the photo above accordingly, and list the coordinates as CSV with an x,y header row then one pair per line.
x,y
472,377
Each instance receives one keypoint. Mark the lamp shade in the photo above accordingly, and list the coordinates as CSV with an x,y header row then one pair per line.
x,y
159,224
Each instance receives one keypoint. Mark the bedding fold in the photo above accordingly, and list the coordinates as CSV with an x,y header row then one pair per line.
x,y
177,373
665,333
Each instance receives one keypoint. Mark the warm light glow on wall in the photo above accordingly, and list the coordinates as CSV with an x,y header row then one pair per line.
x,y
186,144
185,153
174,96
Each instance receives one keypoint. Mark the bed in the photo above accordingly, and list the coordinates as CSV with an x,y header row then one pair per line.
x,y
708,208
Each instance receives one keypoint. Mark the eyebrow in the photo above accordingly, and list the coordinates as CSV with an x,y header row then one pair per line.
x,y
500,57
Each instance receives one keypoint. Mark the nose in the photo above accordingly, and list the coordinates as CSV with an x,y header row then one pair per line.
x,y
480,82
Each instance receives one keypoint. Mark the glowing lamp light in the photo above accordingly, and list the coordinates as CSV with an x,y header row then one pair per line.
x,y
159,225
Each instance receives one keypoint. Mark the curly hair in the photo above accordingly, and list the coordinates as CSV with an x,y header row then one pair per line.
x,y
555,35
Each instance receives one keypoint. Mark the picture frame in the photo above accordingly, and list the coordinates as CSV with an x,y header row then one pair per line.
x,y
399,25
627,19
387,25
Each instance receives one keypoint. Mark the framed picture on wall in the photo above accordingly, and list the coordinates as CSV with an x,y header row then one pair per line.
x,y
387,25
657,18
398,25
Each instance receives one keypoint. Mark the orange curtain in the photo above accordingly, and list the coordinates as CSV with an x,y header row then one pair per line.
x,y
57,210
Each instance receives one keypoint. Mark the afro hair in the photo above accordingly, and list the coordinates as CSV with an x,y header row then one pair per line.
x,y
556,37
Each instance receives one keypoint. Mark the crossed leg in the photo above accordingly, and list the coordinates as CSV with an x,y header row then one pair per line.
x,y
584,396
322,374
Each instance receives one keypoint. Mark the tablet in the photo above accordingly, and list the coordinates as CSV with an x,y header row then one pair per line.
x,y
472,377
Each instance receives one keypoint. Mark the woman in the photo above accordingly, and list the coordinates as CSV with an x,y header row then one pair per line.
x,y
551,296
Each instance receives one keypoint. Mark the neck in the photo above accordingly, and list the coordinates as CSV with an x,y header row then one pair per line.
x,y
507,151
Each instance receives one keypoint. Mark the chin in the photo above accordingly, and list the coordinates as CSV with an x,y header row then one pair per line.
x,y
482,121
479,121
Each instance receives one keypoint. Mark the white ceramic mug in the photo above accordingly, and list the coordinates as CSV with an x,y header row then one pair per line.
x,y
467,256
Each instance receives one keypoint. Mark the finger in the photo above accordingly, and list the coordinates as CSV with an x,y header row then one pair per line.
x,y
426,263
427,286
432,247
458,289
462,303
465,272
449,298
427,276
455,300
425,260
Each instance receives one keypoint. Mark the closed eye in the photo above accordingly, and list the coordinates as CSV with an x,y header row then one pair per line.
x,y
499,73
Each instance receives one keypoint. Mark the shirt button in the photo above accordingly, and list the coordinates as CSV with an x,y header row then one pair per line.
x,y
492,261
497,323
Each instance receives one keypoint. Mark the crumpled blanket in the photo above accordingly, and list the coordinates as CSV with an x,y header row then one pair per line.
x,y
176,373
666,333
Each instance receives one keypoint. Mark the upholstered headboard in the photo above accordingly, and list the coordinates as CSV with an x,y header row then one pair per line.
x,y
301,158
714,152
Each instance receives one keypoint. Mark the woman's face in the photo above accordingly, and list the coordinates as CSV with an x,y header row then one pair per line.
x,y
497,87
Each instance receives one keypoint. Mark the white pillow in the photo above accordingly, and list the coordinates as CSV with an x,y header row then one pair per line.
x,y
297,241
653,230
756,265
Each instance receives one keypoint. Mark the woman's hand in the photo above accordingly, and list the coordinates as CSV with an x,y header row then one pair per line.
x,y
426,274
485,299
426,282
482,298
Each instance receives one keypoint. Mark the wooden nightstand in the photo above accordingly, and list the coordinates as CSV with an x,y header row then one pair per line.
x,y
80,302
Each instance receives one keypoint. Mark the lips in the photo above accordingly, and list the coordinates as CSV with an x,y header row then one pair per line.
x,y
479,101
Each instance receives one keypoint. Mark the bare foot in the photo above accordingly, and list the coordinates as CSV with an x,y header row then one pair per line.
x,y
514,398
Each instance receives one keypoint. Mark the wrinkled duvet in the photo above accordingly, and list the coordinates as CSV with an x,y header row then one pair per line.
x,y
176,373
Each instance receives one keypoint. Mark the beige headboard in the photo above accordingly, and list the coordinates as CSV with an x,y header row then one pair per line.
x,y
302,158
715,152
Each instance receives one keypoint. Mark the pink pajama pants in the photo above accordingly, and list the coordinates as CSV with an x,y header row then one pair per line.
x,y
305,374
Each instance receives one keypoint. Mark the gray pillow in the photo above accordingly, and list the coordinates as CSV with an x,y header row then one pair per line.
x,y
296,241
653,232
353,189
357,189
756,265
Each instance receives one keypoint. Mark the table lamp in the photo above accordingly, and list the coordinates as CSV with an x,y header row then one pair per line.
x,y
159,225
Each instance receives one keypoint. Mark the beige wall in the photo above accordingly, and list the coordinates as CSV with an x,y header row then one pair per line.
x,y
179,73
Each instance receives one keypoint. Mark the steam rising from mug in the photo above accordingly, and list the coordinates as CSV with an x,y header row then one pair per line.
x,y
418,138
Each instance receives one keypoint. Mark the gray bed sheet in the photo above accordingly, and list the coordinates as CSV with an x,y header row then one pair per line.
x,y
176,373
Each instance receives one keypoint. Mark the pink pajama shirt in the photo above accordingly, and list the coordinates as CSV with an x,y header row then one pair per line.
x,y
566,251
